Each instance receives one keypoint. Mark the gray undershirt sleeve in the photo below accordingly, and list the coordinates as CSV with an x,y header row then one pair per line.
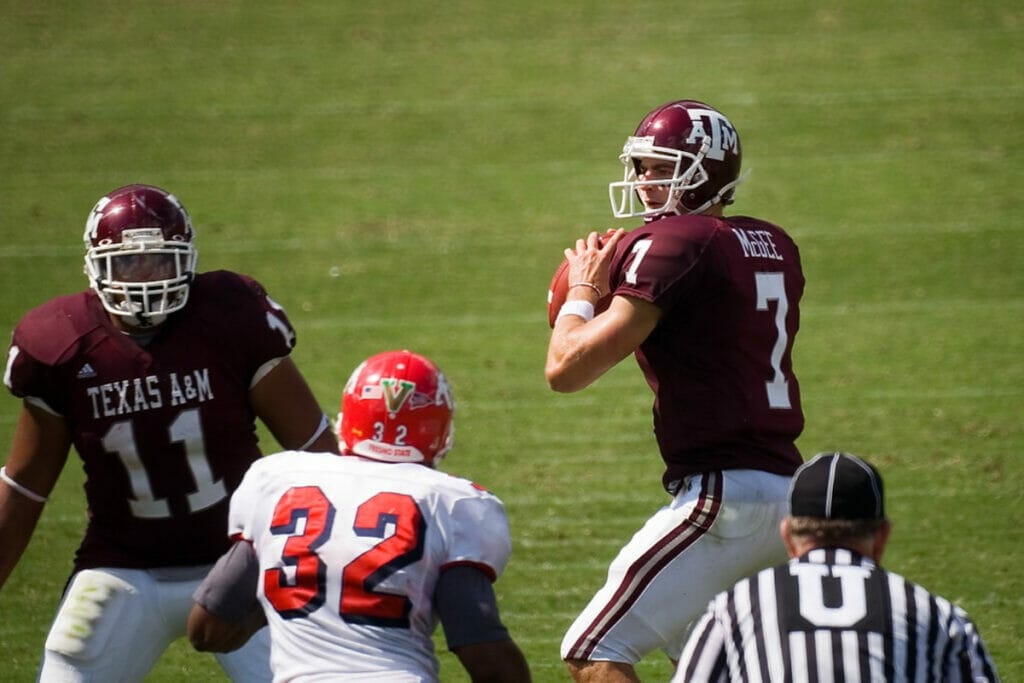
x,y
229,590
468,609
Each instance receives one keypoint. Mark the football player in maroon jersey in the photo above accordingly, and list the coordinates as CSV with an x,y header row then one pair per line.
x,y
709,306
156,376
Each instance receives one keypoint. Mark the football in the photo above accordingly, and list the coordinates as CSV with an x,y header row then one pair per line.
x,y
559,289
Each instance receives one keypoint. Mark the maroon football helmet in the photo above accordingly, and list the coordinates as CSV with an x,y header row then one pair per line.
x,y
703,145
139,257
397,407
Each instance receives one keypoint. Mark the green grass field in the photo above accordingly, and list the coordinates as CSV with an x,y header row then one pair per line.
x,y
406,175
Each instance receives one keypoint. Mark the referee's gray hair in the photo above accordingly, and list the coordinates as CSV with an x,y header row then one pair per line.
x,y
834,531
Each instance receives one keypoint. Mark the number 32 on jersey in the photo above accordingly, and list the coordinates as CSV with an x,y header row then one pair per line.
x,y
392,517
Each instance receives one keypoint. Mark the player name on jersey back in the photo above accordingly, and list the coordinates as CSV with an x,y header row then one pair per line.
x,y
757,244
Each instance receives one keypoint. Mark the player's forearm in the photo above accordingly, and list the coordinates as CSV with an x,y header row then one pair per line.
x,y
580,352
209,633
577,354
284,402
18,519
565,369
496,662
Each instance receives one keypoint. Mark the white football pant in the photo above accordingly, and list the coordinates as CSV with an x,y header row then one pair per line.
x,y
113,625
720,527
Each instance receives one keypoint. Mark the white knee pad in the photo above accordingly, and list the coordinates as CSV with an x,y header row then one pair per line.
x,y
88,614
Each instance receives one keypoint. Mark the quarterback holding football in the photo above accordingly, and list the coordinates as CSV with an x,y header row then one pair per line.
x,y
709,306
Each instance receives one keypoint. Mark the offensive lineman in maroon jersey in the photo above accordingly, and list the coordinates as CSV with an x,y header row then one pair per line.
x,y
709,305
156,376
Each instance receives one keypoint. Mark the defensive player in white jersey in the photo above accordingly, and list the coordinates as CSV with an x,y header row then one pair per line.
x,y
355,559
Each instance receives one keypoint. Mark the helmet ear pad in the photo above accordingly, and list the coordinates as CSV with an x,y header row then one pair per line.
x,y
397,406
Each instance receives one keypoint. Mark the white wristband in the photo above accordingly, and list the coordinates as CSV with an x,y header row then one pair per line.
x,y
324,424
28,493
583,309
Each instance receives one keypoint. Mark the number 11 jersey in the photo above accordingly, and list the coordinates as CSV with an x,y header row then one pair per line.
x,y
164,429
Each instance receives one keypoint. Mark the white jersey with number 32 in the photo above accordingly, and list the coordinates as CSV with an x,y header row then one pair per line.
x,y
350,551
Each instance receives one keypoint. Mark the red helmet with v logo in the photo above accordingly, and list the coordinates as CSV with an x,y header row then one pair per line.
x,y
397,407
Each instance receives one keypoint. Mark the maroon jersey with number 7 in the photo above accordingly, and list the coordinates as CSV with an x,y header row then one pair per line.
x,y
720,360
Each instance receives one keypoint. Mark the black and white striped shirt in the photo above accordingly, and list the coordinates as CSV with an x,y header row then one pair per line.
x,y
833,615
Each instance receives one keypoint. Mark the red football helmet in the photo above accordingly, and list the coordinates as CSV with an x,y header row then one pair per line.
x,y
397,407
703,145
139,257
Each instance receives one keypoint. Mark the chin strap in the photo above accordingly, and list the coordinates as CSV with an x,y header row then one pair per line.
x,y
717,199
684,180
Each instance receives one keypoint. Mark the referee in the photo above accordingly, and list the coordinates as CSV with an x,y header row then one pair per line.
x,y
831,613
